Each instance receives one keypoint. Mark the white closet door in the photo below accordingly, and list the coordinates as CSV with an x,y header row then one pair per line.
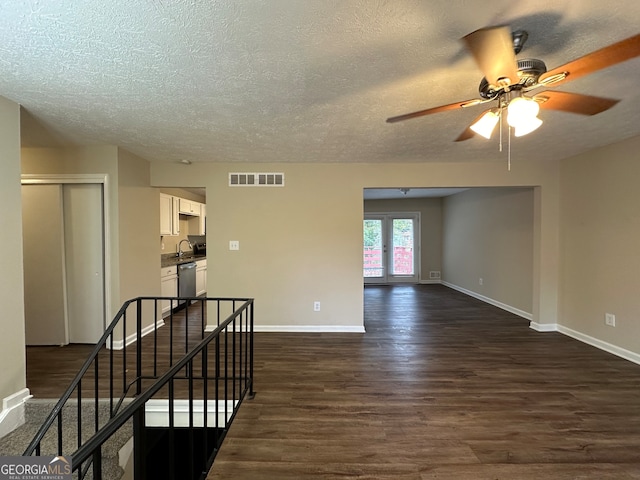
x,y
43,249
84,261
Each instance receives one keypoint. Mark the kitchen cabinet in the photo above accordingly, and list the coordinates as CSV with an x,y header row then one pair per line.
x,y
169,219
189,207
168,287
197,225
201,277
166,214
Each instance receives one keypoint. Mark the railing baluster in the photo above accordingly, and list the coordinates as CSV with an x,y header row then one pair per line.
x,y
186,327
79,413
205,402
60,433
252,393
96,393
155,339
189,367
139,347
171,336
226,374
124,352
202,317
97,463
111,412
172,455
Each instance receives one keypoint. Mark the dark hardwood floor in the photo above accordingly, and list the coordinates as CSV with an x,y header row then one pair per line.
x,y
50,369
441,386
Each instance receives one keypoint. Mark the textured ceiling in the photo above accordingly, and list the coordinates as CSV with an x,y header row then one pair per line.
x,y
296,81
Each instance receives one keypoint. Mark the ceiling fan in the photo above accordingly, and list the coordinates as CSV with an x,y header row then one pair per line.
x,y
508,81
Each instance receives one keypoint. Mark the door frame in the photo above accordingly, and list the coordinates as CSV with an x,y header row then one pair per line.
x,y
98,178
387,225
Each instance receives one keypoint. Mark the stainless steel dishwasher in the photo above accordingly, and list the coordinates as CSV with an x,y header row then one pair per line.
x,y
186,280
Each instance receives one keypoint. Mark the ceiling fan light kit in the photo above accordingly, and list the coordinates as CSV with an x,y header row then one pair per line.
x,y
486,124
507,80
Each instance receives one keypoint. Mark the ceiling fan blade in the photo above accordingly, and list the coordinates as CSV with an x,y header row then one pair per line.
x,y
441,108
493,51
594,61
574,102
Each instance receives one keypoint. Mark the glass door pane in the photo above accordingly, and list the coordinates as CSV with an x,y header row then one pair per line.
x,y
373,261
403,260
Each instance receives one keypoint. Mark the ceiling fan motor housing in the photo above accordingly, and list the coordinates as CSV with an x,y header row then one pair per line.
x,y
529,70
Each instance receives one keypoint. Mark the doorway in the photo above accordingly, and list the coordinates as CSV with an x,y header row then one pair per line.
x,y
391,248
65,267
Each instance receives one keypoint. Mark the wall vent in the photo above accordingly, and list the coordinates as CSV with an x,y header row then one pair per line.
x,y
434,275
244,179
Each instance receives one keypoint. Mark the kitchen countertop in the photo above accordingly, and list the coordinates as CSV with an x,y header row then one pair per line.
x,y
170,259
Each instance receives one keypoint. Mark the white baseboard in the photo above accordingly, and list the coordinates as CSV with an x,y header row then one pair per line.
x,y
119,344
12,414
602,345
430,282
309,328
157,412
490,301
301,328
543,327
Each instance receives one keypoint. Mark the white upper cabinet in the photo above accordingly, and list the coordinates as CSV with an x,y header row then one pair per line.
x,y
170,210
189,207
166,214
169,216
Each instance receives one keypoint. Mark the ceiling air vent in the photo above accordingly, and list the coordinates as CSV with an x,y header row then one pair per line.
x,y
256,179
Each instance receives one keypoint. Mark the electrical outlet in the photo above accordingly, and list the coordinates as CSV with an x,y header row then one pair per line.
x,y
316,306
480,281
610,319
234,245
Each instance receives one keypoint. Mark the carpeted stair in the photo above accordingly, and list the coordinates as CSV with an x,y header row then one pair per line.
x,y
36,411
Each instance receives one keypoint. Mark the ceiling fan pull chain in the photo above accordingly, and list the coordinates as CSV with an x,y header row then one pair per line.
x,y
509,150
501,110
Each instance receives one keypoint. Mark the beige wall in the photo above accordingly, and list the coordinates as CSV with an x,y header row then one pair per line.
x,y
488,234
600,244
430,210
133,212
139,220
303,242
12,354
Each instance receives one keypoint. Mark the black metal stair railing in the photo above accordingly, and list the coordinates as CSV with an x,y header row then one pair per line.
x,y
210,373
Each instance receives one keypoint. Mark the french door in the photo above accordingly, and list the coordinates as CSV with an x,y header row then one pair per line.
x,y
391,248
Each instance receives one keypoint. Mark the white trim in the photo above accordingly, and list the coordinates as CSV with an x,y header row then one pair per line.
x,y
543,327
157,412
300,329
491,301
100,178
12,414
602,345
431,282
309,328
118,344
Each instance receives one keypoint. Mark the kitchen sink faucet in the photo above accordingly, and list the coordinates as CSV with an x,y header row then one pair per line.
x,y
180,252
